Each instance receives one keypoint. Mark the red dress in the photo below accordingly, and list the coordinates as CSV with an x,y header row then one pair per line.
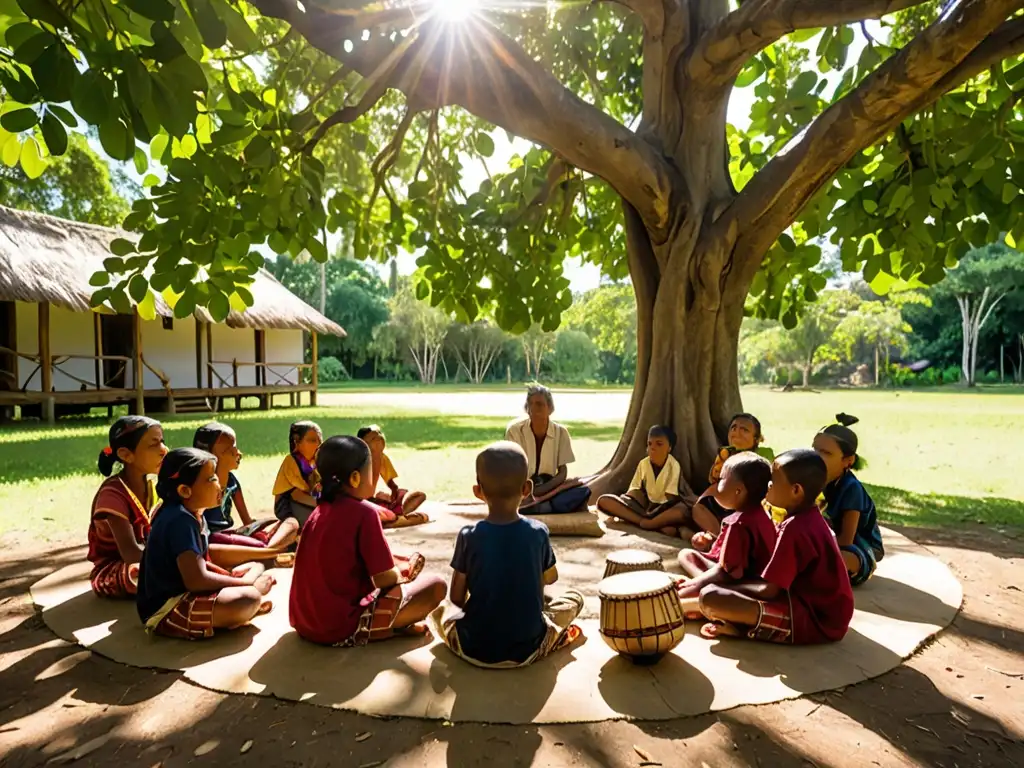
x,y
111,576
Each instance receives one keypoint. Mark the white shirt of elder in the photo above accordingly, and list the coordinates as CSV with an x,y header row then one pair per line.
x,y
556,451
659,488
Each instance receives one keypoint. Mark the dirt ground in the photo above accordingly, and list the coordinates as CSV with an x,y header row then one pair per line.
x,y
958,702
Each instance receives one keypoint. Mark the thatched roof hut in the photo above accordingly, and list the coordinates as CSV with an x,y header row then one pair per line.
x,y
44,259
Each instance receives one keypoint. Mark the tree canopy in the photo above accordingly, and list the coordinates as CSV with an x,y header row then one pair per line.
x,y
279,120
77,185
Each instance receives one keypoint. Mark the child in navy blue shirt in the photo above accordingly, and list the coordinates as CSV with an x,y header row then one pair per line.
x,y
501,566
181,593
848,506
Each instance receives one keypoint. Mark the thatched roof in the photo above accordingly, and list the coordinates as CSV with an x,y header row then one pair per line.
x,y
46,259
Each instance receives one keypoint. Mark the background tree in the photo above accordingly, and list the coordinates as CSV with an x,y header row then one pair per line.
x,y
78,185
906,162
356,300
536,343
420,330
574,358
476,347
979,284
878,326
607,315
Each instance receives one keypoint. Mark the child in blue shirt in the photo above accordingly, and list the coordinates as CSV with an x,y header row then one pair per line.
x,y
848,506
181,593
501,566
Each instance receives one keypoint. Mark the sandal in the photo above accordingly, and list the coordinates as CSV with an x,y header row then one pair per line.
x,y
571,634
265,607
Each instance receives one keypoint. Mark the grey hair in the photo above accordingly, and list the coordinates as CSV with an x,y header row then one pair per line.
x,y
539,389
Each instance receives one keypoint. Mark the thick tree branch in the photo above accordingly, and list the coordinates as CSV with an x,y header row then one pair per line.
x,y
722,51
942,57
475,66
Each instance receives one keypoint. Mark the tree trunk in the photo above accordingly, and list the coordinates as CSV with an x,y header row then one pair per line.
x,y
878,377
807,376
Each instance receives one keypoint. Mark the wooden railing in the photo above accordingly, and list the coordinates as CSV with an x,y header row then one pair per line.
x,y
99,382
280,372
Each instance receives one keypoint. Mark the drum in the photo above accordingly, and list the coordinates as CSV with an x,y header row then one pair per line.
x,y
640,614
629,560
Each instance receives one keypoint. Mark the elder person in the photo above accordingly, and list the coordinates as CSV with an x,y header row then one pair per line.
x,y
549,452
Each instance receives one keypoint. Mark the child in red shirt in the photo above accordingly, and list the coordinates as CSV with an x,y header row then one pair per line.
x,y
744,547
347,589
804,594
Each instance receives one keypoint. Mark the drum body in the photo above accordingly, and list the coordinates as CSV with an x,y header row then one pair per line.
x,y
640,614
629,560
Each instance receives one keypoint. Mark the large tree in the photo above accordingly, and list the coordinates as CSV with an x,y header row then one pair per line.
x,y
911,155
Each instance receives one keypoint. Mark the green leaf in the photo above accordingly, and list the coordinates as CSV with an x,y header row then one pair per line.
x,y
186,303
219,306
211,27
171,111
20,88
485,145
422,290
118,139
239,32
141,161
317,250
185,73
121,247
147,306
19,120
750,73
18,34
55,73
259,152
55,135
165,45
803,35
99,279
869,205
1010,192
43,10
32,162
804,82
158,146
93,98
156,10
846,35
12,152
787,243
63,115
138,287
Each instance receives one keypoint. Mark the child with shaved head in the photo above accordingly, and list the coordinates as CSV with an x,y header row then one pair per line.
x,y
502,564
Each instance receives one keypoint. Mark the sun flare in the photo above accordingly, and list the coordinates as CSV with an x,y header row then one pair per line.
x,y
455,11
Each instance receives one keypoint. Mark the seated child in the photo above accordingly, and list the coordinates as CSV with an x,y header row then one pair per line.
x,y
744,547
399,503
347,588
121,510
848,507
230,546
652,501
744,435
181,593
293,491
501,565
804,594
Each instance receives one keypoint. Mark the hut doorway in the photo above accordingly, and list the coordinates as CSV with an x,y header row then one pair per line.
x,y
118,340
8,340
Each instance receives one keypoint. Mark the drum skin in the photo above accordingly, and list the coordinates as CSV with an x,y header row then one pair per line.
x,y
640,614
629,560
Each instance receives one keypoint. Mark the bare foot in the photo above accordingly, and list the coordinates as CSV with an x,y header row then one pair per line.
x,y
714,631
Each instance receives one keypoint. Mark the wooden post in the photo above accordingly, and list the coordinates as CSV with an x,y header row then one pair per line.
x,y
315,375
46,362
209,355
140,399
97,335
199,353
234,383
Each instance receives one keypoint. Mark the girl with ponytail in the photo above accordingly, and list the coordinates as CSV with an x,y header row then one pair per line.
x,y
123,505
348,588
848,506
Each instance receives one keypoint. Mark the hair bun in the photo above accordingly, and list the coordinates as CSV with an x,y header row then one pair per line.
x,y
846,419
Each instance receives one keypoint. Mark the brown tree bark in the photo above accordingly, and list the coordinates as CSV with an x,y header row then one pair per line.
x,y
693,244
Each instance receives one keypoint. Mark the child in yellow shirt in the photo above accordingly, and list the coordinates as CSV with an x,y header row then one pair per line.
x,y
293,488
397,507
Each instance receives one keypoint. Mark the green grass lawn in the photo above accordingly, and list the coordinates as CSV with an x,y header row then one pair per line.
x,y
935,458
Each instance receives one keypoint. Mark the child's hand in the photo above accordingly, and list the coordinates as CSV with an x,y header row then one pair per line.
x,y
702,541
264,583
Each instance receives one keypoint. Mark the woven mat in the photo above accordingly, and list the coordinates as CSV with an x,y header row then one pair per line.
x,y
912,597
